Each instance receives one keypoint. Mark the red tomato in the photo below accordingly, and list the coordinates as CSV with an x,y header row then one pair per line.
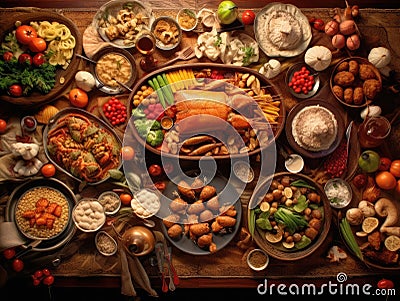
x,y
395,168
384,163
155,170
18,265
38,59
25,34
8,55
38,274
48,280
319,24
248,17
9,253
160,185
385,283
25,57
15,90
46,272
37,45
3,126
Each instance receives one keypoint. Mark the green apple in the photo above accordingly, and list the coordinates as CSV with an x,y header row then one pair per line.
x,y
369,161
227,12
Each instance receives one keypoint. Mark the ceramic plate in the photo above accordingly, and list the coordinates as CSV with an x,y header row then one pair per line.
x,y
69,230
303,151
230,194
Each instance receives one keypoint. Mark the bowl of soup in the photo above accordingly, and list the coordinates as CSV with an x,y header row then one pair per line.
x,y
114,68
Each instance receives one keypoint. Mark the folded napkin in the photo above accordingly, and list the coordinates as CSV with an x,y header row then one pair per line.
x,y
9,236
133,274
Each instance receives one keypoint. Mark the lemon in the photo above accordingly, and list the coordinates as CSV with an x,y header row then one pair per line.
x,y
288,245
288,192
274,237
392,243
361,234
264,206
369,224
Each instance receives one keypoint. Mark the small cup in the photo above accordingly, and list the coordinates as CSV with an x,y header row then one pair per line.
x,y
294,163
257,259
373,131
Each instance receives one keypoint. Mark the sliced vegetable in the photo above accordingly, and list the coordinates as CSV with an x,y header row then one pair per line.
x,y
348,236
160,94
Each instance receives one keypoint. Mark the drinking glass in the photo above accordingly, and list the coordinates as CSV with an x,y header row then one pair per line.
x,y
146,45
373,131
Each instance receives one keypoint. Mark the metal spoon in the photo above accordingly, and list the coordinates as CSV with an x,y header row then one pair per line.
x,y
123,85
86,58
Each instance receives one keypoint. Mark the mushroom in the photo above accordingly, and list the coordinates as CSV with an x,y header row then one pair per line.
x,y
367,208
354,216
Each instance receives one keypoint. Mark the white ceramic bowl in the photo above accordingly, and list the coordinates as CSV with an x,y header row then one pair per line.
x,y
173,31
187,19
88,215
255,259
339,192
105,244
110,202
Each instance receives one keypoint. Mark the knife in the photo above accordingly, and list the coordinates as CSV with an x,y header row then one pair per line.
x,y
30,246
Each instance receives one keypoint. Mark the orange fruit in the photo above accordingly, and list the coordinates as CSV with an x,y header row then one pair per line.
x,y
3,126
78,97
127,152
48,170
385,180
125,198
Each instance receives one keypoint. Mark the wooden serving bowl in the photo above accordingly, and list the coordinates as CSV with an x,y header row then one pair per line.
x,y
357,81
276,250
272,90
68,75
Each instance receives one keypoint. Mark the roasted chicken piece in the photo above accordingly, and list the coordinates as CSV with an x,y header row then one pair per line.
x,y
175,231
185,190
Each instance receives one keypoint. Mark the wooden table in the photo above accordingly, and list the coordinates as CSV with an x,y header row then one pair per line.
x,y
217,270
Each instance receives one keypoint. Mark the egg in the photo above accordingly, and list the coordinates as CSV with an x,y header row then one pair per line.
x,y
332,28
338,41
353,42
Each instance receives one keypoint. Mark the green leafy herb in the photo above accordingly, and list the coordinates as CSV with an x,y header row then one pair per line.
x,y
218,42
248,53
302,183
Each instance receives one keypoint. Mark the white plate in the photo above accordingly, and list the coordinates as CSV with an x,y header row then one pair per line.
x,y
264,35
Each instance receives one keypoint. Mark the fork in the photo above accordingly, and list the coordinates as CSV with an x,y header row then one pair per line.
x,y
185,54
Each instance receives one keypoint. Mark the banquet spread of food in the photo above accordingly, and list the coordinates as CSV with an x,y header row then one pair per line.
x,y
241,96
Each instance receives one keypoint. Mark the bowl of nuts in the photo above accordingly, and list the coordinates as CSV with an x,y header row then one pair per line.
x,y
355,82
110,202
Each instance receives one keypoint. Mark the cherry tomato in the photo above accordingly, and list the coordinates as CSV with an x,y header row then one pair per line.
x,y
38,59
115,111
25,33
18,265
385,283
155,170
9,253
160,185
36,281
15,90
46,272
248,17
25,57
319,24
7,56
384,163
3,126
38,274
48,280
37,45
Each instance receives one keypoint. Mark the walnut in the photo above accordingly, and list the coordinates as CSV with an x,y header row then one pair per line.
x,y
358,95
353,67
371,87
344,78
338,91
366,72
348,95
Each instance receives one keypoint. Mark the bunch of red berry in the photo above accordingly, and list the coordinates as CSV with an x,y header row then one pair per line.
x,y
115,111
335,164
42,276
302,81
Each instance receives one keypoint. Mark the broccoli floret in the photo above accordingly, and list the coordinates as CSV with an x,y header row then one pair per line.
x,y
156,125
143,126
155,138
138,113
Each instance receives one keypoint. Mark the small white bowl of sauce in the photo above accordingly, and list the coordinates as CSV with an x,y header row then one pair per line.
x,y
294,163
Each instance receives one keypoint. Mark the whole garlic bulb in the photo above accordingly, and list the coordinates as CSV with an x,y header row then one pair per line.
x,y
379,57
270,69
371,111
354,216
85,80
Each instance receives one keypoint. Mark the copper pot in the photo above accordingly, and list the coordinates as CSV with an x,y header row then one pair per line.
x,y
138,240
